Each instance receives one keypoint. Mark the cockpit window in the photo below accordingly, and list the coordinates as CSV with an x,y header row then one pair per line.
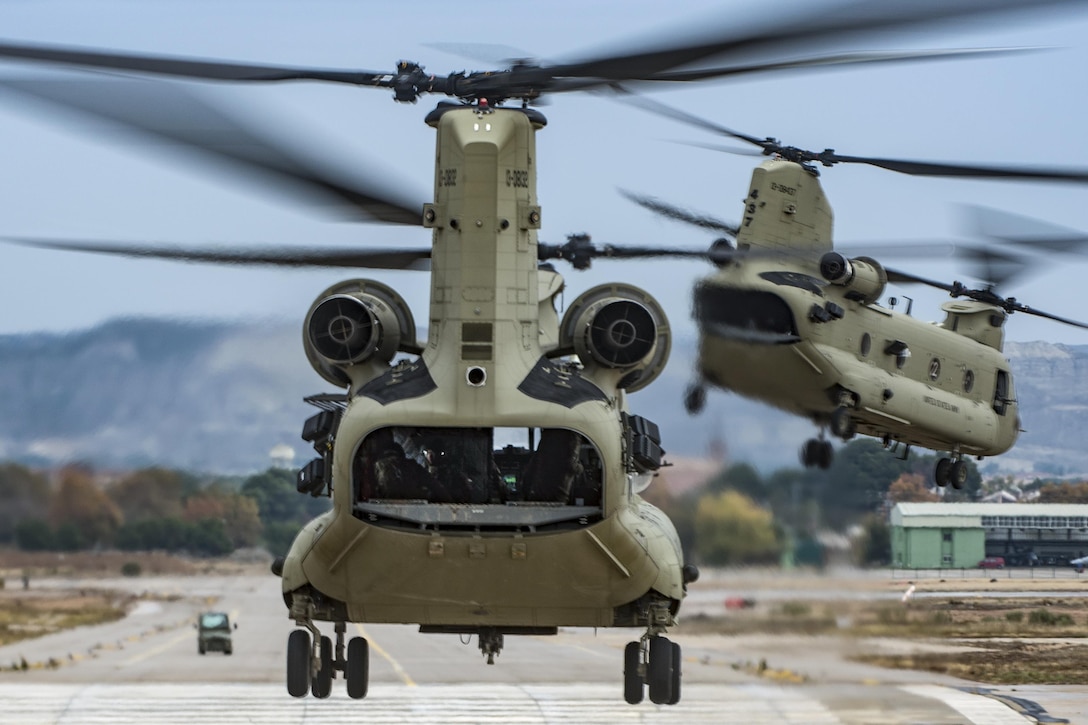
x,y
755,311
477,466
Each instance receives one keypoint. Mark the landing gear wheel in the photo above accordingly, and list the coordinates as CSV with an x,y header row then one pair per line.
x,y
694,398
659,672
957,474
357,672
321,686
825,455
298,663
842,425
942,474
633,685
677,660
810,452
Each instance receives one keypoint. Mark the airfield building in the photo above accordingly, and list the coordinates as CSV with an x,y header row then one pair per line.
x,y
960,535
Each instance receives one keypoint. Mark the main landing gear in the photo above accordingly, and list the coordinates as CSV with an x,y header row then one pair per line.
x,y
951,471
817,452
652,663
312,664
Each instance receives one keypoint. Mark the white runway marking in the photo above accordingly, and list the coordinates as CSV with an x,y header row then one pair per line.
x,y
43,704
979,710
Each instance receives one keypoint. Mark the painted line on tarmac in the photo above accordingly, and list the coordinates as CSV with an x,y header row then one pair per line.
x,y
157,650
387,657
979,710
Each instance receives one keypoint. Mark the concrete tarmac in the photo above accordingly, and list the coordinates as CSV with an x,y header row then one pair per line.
x,y
145,668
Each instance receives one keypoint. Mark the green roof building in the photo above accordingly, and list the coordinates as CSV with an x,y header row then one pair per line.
x,y
960,535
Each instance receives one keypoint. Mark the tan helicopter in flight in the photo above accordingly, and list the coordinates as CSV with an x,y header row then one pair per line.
x,y
484,480
789,321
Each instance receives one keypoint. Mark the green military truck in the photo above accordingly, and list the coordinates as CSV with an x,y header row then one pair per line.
x,y
213,633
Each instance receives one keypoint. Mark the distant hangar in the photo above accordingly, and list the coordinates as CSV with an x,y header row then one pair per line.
x,y
960,535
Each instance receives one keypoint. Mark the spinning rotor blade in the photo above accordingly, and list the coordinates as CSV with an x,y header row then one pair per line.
x,y
415,259
988,296
174,114
580,252
823,24
828,157
665,209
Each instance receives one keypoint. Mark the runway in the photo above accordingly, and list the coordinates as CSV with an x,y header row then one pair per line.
x,y
146,669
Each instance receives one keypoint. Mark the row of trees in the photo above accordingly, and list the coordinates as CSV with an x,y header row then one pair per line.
x,y
151,508
738,517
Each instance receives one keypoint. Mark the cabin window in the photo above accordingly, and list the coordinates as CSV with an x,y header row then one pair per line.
x,y
866,344
477,466
968,380
1002,392
764,316
934,369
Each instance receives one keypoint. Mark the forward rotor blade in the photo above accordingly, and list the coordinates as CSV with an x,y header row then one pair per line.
x,y
414,259
169,112
673,212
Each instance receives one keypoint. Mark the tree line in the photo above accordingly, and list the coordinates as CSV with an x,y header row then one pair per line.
x,y
151,508
737,517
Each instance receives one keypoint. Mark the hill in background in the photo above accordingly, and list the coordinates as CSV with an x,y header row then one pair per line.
x,y
214,396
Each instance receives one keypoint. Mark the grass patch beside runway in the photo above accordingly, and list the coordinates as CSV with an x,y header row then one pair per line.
x,y
992,640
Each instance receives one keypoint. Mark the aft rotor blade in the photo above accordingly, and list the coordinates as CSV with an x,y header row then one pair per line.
x,y
899,277
218,70
169,112
822,23
1039,313
836,60
932,168
709,40
669,211
414,259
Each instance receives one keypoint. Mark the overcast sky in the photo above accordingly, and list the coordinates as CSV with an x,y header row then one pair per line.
x,y
66,179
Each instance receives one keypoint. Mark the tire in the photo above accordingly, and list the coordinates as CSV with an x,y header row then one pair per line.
x,y
321,686
694,399
298,663
957,474
659,674
810,453
943,473
633,686
228,651
677,664
202,649
357,672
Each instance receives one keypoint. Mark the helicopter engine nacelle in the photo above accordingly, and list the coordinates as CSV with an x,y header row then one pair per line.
x,y
618,327
864,276
353,323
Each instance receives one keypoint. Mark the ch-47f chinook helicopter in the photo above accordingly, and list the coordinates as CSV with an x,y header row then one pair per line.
x,y
789,321
487,481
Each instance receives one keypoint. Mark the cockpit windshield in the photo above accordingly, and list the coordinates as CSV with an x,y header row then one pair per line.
x,y
505,466
214,620
760,314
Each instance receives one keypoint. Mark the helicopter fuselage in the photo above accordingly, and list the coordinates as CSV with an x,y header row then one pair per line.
x,y
792,323
489,484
